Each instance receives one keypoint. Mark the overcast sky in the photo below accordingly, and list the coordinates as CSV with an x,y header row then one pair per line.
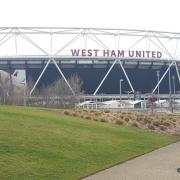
x,y
136,14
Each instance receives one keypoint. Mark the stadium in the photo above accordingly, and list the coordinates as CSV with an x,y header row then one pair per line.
x,y
145,61
127,110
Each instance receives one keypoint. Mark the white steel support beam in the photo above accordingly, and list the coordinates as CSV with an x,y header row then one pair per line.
x,y
177,71
138,41
2,42
100,36
51,44
121,67
115,61
63,76
47,64
163,46
6,35
172,63
158,46
124,71
98,40
33,43
70,42
16,44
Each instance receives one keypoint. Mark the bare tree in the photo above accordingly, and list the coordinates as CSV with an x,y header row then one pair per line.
x,y
4,89
29,85
151,103
58,94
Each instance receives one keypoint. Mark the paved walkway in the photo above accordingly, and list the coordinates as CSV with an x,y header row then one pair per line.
x,y
160,164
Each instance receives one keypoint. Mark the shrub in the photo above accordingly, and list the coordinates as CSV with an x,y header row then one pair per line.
x,y
97,113
75,114
67,113
103,120
81,115
126,119
139,118
163,118
151,127
95,119
156,123
119,122
166,123
92,111
87,117
147,121
134,124
107,111
134,118
162,128
121,116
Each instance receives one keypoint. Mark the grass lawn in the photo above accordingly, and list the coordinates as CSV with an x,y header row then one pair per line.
x,y
38,144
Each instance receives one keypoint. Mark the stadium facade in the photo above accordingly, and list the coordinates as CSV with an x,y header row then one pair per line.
x,y
147,61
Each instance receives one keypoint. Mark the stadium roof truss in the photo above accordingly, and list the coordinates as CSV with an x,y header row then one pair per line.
x,y
54,44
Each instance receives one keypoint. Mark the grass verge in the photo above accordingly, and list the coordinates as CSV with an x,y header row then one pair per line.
x,y
38,144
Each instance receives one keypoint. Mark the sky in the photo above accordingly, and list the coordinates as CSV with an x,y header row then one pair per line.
x,y
160,15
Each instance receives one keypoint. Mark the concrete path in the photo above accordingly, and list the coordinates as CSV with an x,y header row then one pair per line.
x,y
160,164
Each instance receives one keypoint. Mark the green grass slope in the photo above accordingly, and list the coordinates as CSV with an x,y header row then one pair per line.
x,y
37,144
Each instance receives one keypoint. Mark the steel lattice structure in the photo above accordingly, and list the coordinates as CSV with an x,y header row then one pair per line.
x,y
23,46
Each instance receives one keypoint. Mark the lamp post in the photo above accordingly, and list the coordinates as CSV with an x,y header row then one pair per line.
x,y
128,92
174,85
170,82
170,92
158,82
24,94
120,88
